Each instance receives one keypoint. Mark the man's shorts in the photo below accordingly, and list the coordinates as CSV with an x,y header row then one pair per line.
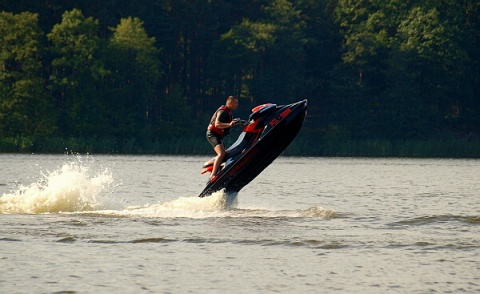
x,y
213,138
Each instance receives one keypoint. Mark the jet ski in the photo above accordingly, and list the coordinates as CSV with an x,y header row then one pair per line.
x,y
269,129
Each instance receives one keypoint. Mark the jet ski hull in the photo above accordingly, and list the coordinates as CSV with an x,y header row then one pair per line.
x,y
279,130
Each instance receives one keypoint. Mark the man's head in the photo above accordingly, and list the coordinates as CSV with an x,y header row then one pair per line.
x,y
232,102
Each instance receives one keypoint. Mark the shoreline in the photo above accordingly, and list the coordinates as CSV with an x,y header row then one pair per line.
x,y
301,146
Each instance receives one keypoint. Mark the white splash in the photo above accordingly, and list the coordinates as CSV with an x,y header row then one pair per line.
x,y
82,187
219,204
192,207
71,188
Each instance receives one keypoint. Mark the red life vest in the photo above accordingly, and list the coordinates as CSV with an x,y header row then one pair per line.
x,y
213,128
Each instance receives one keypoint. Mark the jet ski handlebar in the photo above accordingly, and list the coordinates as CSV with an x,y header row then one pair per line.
x,y
240,122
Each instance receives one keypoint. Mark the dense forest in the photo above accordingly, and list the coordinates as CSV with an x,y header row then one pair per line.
x,y
382,77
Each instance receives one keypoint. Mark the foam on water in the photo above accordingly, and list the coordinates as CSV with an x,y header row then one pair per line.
x,y
218,204
82,187
72,187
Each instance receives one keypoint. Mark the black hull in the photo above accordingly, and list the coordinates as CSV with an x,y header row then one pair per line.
x,y
261,154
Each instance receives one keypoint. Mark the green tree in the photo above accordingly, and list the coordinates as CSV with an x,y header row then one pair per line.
x,y
25,109
263,59
282,70
133,98
242,50
358,79
77,71
371,69
176,115
410,65
438,65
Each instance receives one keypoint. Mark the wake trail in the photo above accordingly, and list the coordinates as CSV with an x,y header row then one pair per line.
x,y
79,187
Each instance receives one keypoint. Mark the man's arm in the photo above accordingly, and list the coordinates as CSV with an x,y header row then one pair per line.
x,y
221,117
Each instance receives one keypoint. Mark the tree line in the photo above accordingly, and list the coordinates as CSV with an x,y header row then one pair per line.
x,y
136,76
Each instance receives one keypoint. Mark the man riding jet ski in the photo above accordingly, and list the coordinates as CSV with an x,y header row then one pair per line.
x,y
269,130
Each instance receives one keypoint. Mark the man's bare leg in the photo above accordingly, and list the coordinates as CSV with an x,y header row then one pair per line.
x,y
220,150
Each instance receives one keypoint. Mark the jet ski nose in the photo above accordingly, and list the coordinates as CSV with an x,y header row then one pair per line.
x,y
300,103
303,103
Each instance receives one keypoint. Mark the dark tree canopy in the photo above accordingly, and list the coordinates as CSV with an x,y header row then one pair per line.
x,y
138,74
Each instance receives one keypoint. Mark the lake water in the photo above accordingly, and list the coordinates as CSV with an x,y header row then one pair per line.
x,y
133,224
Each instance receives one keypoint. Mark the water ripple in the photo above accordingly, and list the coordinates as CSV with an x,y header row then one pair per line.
x,y
427,220
153,240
